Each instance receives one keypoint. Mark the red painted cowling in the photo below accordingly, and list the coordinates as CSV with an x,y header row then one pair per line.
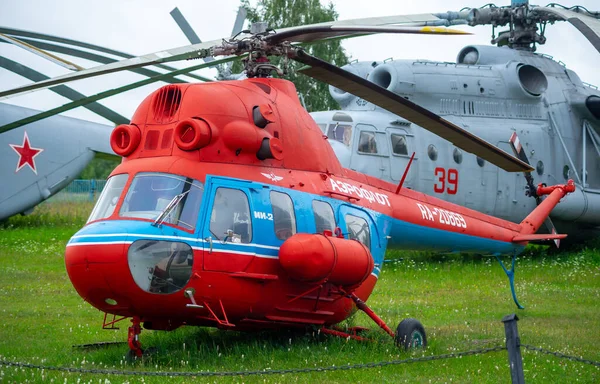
x,y
316,257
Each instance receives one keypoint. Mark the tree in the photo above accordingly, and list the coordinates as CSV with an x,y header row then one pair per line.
x,y
289,13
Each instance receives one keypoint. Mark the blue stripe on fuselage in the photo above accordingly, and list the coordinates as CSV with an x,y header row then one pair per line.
x,y
403,234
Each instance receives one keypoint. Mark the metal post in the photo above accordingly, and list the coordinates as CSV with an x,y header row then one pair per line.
x,y
584,154
93,190
513,344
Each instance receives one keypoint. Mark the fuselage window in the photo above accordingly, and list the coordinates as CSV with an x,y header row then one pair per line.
x,y
432,152
358,229
457,155
367,143
341,133
230,216
324,218
151,194
109,197
284,219
399,146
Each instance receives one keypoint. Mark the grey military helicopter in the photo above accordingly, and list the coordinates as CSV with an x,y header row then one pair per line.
x,y
42,156
506,94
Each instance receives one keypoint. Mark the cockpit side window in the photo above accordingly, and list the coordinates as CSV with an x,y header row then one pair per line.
x,y
324,217
358,229
341,133
284,218
230,216
367,143
109,197
399,146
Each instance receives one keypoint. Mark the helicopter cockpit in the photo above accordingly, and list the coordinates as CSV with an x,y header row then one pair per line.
x,y
157,266
149,195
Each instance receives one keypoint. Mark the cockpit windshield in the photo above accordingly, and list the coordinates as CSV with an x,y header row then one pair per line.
x,y
107,202
150,194
341,133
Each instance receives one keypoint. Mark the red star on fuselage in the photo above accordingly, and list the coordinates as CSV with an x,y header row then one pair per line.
x,y
26,153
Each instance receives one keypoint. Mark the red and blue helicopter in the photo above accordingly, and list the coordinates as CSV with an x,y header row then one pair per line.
x,y
231,210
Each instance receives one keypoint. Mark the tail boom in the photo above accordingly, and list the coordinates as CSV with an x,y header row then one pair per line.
x,y
536,218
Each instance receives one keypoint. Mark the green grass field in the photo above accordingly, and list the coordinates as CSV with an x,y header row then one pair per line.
x,y
460,300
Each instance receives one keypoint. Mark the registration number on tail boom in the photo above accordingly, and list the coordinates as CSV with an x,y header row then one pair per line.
x,y
443,216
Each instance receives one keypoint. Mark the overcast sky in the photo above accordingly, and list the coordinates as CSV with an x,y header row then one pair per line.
x,y
144,26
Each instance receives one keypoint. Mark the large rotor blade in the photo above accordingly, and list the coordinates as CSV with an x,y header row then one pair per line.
x,y
63,90
40,52
68,49
175,54
187,29
321,32
191,52
238,24
587,25
398,105
105,94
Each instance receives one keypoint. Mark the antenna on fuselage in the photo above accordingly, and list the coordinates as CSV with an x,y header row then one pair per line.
x,y
405,173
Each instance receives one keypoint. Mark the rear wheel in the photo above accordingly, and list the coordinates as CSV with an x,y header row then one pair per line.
x,y
410,334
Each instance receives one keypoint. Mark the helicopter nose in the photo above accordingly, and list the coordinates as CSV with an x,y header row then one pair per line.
x,y
94,262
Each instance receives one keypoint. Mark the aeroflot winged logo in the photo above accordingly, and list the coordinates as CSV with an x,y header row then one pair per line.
x,y
26,153
272,176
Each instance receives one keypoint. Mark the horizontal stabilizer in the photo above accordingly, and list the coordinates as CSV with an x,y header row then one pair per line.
x,y
538,237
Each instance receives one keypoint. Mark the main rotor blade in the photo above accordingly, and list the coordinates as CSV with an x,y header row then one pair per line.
x,y
191,52
321,32
182,53
48,56
63,90
100,59
69,43
105,94
398,105
187,29
587,25
238,24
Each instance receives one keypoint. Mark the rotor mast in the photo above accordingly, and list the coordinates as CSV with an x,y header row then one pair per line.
x,y
522,21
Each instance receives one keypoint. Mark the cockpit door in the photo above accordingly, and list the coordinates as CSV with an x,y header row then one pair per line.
x,y
370,152
402,147
227,227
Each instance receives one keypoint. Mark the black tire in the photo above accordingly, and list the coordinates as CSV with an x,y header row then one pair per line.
x,y
410,334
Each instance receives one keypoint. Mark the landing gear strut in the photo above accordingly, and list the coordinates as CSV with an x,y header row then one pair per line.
x,y
409,334
365,308
133,338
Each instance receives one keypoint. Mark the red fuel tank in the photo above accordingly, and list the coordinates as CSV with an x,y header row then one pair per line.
x,y
316,257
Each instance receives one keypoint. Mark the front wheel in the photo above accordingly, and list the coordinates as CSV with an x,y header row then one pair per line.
x,y
410,334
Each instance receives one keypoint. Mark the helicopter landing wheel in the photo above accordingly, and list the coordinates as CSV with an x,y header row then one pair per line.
x,y
410,334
